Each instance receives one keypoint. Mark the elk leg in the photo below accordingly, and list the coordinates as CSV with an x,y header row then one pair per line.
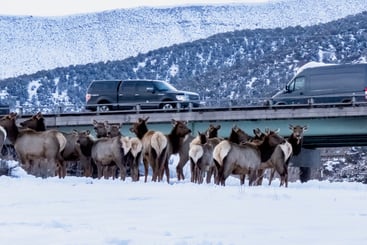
x,y
146,166
272,172
209,175
260,176
192,169
242,179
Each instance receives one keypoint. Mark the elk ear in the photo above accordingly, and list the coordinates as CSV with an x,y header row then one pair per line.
x,y
88,132
146,119
95,122
218,127
305,128
277,130
173,122
291,127
257,132
267,131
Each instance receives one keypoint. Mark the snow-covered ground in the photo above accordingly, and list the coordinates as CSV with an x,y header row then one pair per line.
x,y
78,210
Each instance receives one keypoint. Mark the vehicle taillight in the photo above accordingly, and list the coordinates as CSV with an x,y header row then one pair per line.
x,y
87,97
365,93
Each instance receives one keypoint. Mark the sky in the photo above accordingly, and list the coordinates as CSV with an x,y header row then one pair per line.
x,y
86,211
69,7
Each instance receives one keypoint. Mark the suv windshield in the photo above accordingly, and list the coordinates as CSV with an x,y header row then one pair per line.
x,y
163,86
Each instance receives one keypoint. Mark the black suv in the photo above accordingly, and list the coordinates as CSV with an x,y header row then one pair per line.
x,y
105,95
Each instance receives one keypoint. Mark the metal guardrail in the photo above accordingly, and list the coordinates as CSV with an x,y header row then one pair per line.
x,y
208,105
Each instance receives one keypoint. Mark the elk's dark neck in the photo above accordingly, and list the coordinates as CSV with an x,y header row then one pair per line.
x,y
266,150
41,126
13,133
175,142
143,129
296,144
233,137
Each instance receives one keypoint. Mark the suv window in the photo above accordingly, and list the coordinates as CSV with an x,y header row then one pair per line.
x,y
104,85
162,86
127,88
141,87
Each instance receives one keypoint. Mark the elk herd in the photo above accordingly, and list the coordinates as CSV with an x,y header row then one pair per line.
x,y
46,152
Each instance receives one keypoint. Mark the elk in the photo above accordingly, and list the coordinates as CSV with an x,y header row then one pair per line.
x,y
71,152
296,138
104,151
132,158
231,158
154,146
174,143
32,146
201,151
280,158
275,156
211,132
100,128
201,158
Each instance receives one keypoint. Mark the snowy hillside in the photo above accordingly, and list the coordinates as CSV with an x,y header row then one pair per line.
x,y
29,44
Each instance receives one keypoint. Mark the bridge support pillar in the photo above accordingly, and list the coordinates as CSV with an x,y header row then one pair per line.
x,y
307,161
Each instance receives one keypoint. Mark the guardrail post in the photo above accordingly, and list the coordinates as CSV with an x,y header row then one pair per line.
x,y
190,106
311,101
353,100
270,103
59,110
20,111
137,107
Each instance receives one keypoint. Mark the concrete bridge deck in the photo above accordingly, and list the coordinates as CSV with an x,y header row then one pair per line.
x,y
328,125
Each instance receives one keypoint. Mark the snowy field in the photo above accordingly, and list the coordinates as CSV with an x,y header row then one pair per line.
x,y
78,210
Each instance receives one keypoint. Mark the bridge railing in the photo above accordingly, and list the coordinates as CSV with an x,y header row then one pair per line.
x,y
206,105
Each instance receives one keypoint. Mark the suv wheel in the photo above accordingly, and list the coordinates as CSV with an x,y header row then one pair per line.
x,y
103,108
167,106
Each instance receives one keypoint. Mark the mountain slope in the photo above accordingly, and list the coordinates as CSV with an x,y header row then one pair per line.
x,y
30,44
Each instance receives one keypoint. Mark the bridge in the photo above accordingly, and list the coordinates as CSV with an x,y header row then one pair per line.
x,y
329,125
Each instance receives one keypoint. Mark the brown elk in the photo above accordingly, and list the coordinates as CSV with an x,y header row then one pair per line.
x,y
280,159
133,157
175,142
105,151
183,156
100,128
192,150
40,147
296,140
274,156
212,131
242,159
201,158
71,152
154,144
201,152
